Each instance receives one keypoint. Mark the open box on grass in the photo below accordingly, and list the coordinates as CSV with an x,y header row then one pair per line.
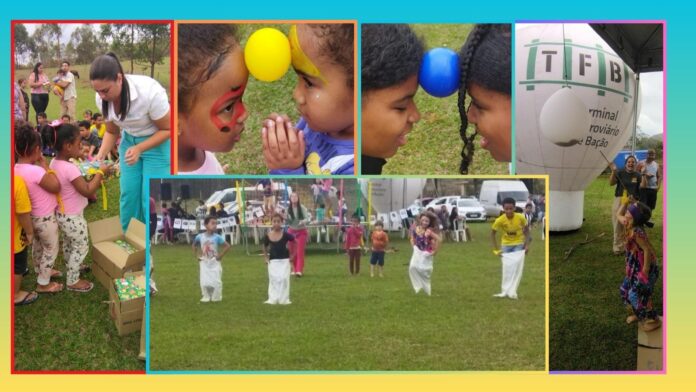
x,y
115,252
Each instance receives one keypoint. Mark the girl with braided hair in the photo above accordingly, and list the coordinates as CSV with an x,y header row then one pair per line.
x,y
485,77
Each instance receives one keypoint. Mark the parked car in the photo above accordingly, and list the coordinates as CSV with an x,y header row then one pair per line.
x,y
471,209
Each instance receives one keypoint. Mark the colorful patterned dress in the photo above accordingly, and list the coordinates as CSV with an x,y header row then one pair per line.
x,y
637,288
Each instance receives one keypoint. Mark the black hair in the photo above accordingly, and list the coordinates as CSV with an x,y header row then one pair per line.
x,y
66,116
528,205
64,134
202,50
509,200
291,211
107,67
47,134
321,205
379,223
88,111
645,215
454,213
213,211
277,215
96,115
36,72
208,218
41,114
64,61
485,60
337,45
391,53
84,124
26,138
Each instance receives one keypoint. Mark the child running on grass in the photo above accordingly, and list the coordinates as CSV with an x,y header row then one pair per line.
x,y
212,79
74,191
425,241
205,249
321,142
277,256
354,237
380,240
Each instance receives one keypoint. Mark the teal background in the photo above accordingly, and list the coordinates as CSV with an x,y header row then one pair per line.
x,y
681,265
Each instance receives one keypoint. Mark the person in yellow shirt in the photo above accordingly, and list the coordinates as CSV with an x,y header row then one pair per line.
x,y
513,225
23,235
515,240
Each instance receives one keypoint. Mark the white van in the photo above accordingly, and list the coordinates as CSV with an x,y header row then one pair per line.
x,y
494,191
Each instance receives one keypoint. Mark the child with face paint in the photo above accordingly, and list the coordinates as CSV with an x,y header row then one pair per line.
x,y
391,56
212,78
322,140
486,73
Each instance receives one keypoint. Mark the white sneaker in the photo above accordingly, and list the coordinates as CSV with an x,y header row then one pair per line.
x,y
205,299
499,295
512,296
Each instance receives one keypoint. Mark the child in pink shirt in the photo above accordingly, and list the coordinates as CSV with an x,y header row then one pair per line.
x,y
74,190
43,186
354,236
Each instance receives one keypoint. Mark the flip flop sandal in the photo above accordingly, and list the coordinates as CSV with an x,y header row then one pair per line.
x,y
28,299
82,289
52,290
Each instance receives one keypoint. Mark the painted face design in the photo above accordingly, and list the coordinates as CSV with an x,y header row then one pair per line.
x,y
300,61
237,108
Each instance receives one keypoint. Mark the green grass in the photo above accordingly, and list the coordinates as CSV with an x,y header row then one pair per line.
x,y
260,99
85,93
338,322
587,329
434,145
73,331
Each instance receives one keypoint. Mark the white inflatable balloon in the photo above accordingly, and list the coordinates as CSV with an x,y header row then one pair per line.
x,y
602,84
564,118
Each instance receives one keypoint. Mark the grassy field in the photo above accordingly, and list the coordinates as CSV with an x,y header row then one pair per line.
x,y
260,99
85,93
434,145
338,322
587,330
73,331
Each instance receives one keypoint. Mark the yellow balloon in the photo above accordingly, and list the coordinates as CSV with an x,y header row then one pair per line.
x,y
267,54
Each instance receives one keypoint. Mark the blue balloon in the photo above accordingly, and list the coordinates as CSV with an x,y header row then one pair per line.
x,y
440,72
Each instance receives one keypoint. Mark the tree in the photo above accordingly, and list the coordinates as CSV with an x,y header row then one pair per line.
x,y
23,45
123,40
85,44
154,44
47,47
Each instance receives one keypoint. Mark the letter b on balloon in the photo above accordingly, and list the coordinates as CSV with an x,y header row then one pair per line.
x,y
574,102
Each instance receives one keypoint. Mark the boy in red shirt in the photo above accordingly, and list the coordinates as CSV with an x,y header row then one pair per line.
x,y
380,240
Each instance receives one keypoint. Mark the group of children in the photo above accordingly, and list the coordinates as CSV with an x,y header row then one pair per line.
x,y
212,80
54,196
92,129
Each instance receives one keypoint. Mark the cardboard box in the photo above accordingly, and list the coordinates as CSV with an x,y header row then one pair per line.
x,y
650,349
111,261
128,315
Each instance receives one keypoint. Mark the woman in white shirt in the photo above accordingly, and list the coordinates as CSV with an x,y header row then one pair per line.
x,y
138,106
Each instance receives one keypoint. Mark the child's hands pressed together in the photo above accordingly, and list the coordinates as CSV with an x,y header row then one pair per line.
x,y
283,144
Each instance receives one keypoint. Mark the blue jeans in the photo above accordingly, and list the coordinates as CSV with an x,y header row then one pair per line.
x,y
511,248
152,163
